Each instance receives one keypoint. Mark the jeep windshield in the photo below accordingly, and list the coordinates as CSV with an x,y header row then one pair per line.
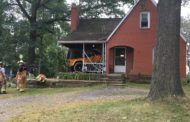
x,y
74,54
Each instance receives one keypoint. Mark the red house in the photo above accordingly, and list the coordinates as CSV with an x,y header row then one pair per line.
x,y
127,43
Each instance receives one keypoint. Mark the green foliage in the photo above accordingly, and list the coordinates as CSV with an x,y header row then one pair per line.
x,y
80,76
51,58
7,42
97,8
16,28
53,61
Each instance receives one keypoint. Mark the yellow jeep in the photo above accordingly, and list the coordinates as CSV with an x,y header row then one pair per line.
x,y
75,58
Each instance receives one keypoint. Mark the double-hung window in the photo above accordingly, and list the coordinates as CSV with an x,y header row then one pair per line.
x,y
144,20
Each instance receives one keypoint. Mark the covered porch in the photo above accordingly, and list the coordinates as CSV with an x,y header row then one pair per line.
x,y
86,56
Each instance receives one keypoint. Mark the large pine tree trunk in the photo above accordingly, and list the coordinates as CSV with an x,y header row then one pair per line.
x,y
166,74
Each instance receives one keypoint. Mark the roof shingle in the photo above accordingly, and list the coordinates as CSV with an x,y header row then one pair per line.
x,y
93,29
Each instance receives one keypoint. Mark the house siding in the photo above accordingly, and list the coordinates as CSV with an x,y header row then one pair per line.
x,y
130,35
182,58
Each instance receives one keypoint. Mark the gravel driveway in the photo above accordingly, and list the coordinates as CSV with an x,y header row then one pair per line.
x,y
15,106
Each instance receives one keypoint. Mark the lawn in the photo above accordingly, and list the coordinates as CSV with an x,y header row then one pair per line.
x,y
125,110
136,110
131,110
186,87
12,92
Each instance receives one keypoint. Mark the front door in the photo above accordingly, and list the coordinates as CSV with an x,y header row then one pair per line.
x,y
120,60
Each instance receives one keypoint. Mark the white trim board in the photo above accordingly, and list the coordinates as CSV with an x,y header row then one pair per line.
x,y
183,37
80,42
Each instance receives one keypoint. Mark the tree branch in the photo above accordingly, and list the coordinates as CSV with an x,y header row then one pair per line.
x,y
97,6
46,7
29,1
35,6
50,21
45,2
12,4
23,10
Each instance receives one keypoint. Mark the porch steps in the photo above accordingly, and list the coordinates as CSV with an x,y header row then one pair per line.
x,y
117,84
113,77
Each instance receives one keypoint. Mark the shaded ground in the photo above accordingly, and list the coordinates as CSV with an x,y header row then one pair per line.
x,y
12,107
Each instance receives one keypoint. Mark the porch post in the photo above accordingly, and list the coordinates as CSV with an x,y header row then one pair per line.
x,y
83,56
103,57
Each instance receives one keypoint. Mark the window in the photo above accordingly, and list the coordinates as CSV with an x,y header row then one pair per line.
x,y
145,20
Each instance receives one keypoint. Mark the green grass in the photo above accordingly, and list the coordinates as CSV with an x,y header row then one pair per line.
x,y
134,110
12,92
140,86
119,110
186,87
139,110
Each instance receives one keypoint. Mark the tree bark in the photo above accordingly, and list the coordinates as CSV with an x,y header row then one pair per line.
x,y
31,49
33,36
32,19
166,74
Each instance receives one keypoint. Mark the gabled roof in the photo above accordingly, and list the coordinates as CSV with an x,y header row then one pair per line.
x,y
128,13
92,30
98,30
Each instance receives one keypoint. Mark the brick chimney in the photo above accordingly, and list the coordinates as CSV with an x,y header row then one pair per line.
x,y
74,17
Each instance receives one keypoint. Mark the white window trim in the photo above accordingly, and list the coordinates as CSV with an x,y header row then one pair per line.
x,y
144,12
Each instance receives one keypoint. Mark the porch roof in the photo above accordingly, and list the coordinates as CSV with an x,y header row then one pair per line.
x,y
92,31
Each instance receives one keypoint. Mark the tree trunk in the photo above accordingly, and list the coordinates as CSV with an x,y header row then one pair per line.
x,y
31,49
31,55
166,73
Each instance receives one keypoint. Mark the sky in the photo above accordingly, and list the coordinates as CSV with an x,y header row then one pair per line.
x,y
185,11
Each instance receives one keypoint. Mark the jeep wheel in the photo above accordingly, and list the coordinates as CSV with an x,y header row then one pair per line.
x,y
78,67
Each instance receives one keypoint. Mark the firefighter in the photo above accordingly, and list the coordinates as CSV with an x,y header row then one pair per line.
x,y
21,76
3,79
